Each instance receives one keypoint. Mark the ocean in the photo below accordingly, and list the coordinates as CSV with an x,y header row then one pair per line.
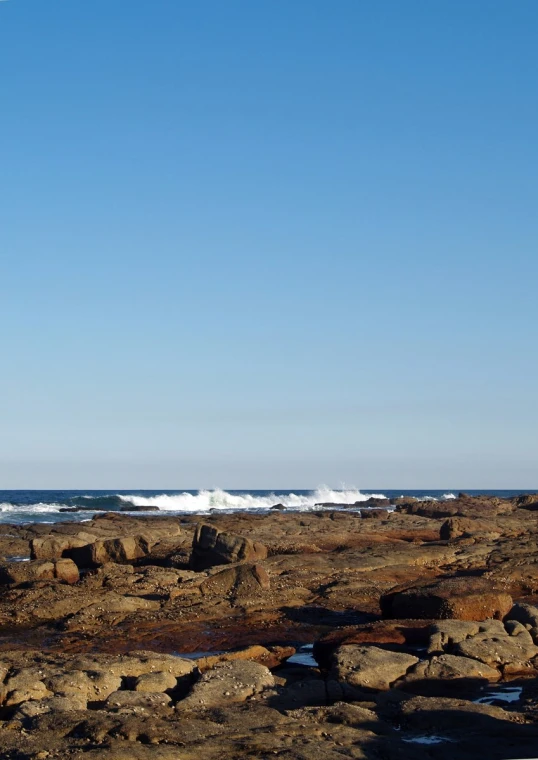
x,y
45,506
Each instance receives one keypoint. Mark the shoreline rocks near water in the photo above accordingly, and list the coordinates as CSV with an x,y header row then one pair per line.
x,y
158,637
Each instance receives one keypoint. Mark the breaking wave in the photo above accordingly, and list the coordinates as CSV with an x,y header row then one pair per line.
x,y
203,501
194,502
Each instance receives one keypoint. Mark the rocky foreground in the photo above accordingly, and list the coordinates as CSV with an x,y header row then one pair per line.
x,y
127,638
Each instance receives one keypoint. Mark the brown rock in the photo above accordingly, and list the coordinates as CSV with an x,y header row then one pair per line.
x,y
212,547
26,572
456,598
240,581
454,527
449,667
227,683
54,546
369,667
464,506
66,570
155,682
271,658
117,550
527,501
385,634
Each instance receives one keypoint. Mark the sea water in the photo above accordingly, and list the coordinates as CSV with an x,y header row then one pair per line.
x,y
45,506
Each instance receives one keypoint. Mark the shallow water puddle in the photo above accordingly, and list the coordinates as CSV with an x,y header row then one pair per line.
x,y
303,656
427,739
198,655
500,694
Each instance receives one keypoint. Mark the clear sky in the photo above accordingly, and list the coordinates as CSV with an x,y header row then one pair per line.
x,y
268,244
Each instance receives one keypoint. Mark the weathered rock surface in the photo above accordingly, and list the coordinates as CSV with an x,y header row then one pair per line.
x,y
213,547
240,581
458,598
227,683
86,668
118,550
369,667
499,648
39,570
53,547
449,667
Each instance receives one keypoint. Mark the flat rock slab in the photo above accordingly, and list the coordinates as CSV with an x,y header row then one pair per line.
x,y
450,667
369,667
457,598
226,683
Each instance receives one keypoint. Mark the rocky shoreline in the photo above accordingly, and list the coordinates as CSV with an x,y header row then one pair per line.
x,y
131,637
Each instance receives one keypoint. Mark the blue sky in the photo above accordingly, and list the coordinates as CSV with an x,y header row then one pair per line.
x,y
268,244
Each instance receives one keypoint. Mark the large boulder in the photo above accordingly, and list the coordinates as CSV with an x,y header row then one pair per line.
x,y
467,527
394,635
513,647
369,667
54,546
527,501
457,598
240,581
212,547
118,550
227,683
526,614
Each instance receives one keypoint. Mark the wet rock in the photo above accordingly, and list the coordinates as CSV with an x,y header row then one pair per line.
x,y
456,598
271,658
240,581
227,683
213,547
373,501
369,667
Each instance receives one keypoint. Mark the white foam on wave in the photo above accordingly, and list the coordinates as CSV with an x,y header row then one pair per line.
x,y
203,501
29,508
448,496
